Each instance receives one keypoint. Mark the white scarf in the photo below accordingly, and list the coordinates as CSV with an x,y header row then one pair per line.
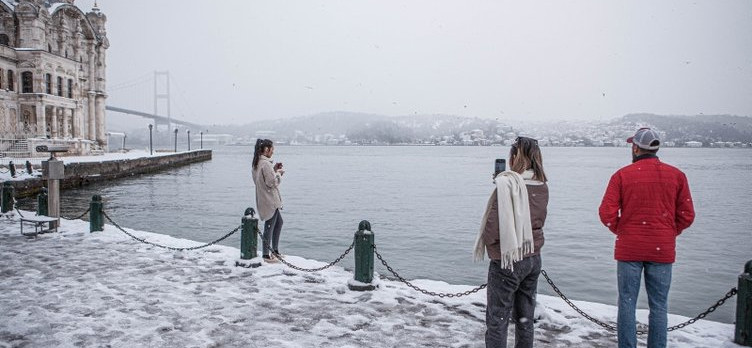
x,y
515,228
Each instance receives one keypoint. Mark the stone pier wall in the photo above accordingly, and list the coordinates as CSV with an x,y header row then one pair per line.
x,y
84,173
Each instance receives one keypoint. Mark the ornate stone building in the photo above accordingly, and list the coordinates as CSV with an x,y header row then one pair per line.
x,y
52,76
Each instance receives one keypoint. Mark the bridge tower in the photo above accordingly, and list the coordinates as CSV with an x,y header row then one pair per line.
x,y
162,94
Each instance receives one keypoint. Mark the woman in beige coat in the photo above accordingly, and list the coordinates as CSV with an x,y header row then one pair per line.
x,y
267,176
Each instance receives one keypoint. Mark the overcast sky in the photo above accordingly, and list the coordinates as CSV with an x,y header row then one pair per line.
x,y
240,61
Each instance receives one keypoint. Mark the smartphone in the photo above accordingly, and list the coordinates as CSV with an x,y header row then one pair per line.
x,y
500,165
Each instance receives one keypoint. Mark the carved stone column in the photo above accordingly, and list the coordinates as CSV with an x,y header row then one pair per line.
x,y
41,120
66,123
54,125
92,119
76,133
101,138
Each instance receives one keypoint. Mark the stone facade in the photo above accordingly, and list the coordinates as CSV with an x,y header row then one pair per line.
x,y
52,75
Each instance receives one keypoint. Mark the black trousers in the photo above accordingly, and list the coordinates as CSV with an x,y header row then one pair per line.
x,y
272,229
511,293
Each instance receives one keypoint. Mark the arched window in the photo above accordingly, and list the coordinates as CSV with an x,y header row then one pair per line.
x,y
11,81
27,82
1,78
48,83
59,86
49,48
70,88
4,40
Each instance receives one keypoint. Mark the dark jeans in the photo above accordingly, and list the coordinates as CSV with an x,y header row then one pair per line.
x,y
511,292
272,229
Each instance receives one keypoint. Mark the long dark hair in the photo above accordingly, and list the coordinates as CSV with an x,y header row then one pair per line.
x,y
525,154
261,146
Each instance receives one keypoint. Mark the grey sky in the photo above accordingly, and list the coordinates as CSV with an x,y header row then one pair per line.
x,y
239,61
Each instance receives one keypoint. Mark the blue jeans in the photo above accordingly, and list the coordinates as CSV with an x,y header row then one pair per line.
x,y
657,283
511,295
272,229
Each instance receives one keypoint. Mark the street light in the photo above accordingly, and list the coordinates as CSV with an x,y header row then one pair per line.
x,y
189,138
201,133
151,150
176,140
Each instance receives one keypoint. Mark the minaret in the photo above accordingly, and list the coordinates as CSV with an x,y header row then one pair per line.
x,y
97,72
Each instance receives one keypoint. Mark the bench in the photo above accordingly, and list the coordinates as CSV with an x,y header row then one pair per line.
x,y
39,222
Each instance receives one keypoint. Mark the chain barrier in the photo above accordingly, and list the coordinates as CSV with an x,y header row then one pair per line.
x,y
142,240
610,327
80,216
425,292
18,211
330,264
550,282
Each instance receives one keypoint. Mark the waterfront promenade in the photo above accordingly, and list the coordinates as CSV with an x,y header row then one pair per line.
x,y
75,288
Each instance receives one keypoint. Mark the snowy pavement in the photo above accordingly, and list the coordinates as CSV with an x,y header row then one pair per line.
x,y
76,289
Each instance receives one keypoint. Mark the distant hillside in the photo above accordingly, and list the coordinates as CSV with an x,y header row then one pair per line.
x,y
362,127
703,128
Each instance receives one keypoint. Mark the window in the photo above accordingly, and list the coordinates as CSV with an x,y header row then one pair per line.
x,y
59,86
4,40
1,78
70,88
27,82
11,81
48,83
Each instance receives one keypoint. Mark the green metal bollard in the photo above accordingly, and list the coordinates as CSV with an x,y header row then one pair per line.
x,y
12,168
96,215
364,239
249,241
248,235
743,330
42,202
7,199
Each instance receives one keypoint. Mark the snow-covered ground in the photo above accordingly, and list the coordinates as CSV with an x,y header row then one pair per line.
x,y
76,289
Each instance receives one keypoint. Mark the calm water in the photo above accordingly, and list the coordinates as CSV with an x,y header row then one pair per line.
x,y
425,206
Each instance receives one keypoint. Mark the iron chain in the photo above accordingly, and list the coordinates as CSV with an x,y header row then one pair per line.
x,y
610,327
80,216
19,212
142,240
330,264
425,292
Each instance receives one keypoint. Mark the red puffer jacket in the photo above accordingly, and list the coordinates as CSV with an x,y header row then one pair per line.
x,y
647,204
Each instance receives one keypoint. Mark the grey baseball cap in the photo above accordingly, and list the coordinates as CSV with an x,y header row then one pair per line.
x,y
646,139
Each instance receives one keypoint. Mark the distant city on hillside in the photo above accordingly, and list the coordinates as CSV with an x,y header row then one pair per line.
x,y
346,128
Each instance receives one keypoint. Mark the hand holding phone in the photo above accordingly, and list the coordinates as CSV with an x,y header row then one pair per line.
x,y
500,165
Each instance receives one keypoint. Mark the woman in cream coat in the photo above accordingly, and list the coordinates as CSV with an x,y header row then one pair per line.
x,y
267,176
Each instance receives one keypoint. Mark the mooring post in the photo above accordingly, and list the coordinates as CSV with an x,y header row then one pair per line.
x,y
363,278
28,168
7,199
743,332
42,202
96,216
12,168
249,240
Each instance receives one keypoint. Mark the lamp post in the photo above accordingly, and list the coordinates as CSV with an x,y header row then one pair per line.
x,y
125,136
176,140
151,150
189,138
201,133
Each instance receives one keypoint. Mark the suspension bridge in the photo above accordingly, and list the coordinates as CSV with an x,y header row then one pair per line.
x,y
136,94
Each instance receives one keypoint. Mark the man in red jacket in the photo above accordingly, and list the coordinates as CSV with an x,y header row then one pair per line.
x,y
646,205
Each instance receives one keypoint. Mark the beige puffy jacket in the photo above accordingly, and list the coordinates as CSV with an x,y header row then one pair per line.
x,y
267,183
